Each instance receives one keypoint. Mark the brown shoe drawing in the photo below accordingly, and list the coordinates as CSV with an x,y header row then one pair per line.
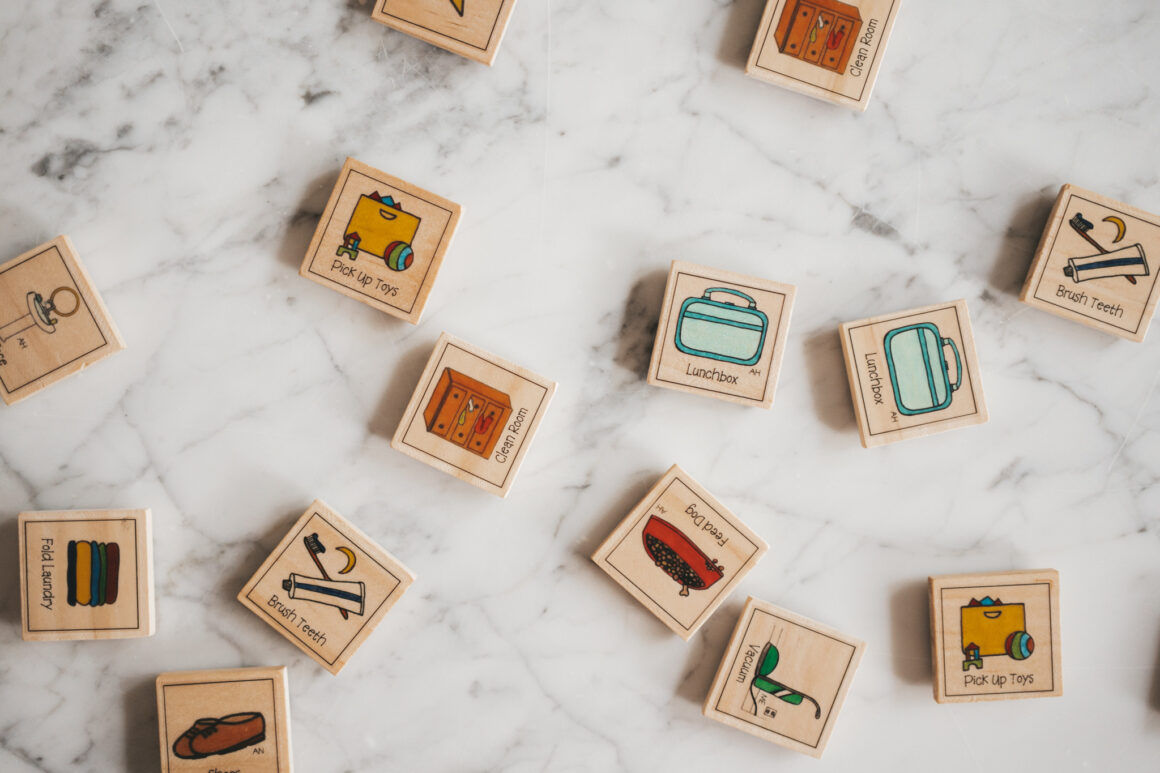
x,y
208,736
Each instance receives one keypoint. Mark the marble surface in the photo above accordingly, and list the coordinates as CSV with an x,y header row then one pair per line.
x,y
188,148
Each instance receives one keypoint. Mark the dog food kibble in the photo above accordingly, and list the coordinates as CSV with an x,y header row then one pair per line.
x,y
673,565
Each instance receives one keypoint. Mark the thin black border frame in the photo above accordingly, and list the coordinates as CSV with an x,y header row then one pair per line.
x,y
833,701
330,218
80,293
738,575
768,33
772,347
943,627
136,573
290,540
906,315
381,10
1047,260
410,421
273,699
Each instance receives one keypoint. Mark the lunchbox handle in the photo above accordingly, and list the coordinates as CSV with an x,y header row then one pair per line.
x,y
752,303
958,364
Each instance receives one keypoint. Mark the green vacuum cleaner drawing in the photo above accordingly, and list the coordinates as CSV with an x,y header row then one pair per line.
x,y
761,683
919,371
720,330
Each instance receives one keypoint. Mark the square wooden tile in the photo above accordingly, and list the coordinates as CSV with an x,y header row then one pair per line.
x,y
233,720
473,415
827,49
1097,264
326,586
53,322
680,552
721,334
913,373
470,28
995,636
381,241
86,574
784,678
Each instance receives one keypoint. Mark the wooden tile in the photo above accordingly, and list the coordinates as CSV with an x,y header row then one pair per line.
x,y
326,586
381,241
827,49
680,552
996,636
721,334
473,415
234,720
53,322
1097,264
470,28
86,574
913,373
784,678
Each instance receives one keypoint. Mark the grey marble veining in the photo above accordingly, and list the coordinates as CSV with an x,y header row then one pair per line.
x,y
188,149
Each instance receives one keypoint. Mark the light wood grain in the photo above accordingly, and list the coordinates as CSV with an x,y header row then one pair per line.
x,y
86,574
502,416
470,28
365,274
186,697
365,582
1066,278
797,704
1030,608
53,322
876,393
703,374
679,510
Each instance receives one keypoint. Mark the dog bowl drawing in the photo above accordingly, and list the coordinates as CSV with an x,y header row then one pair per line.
x,y
678,557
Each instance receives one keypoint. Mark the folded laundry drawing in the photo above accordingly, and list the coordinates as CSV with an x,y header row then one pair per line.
x,y
93,573
761,683
343,594
379,227
991,627
720,330
919,372
678,557
209,736
1126,261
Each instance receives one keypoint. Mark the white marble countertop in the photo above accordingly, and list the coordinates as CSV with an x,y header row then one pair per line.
x,y
188,148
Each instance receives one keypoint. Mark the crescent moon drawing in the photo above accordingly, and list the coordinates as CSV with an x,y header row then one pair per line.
x,y
1121,229
350,560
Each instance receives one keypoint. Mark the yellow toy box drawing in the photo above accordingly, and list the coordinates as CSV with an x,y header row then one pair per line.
x,y
379,227
991,627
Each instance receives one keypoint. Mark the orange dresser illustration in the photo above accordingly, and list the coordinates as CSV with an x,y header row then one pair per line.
x,y
821,32
467,412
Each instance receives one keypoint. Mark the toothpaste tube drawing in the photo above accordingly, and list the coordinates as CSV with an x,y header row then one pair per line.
x,y
335,593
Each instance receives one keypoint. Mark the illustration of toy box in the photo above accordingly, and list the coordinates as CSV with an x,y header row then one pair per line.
x,y
467,412
991,627
379,227
919,372
720,330
820,32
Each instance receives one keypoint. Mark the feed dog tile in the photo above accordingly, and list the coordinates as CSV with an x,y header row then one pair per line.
x,y
1098,264
235,720
721,334
470,28
326,586
784,678
913,373
86,574
381,241
996,636
473,415
826,49
53,322
680,552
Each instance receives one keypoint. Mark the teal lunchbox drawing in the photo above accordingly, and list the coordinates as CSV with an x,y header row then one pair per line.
x,y
721,330
919,372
